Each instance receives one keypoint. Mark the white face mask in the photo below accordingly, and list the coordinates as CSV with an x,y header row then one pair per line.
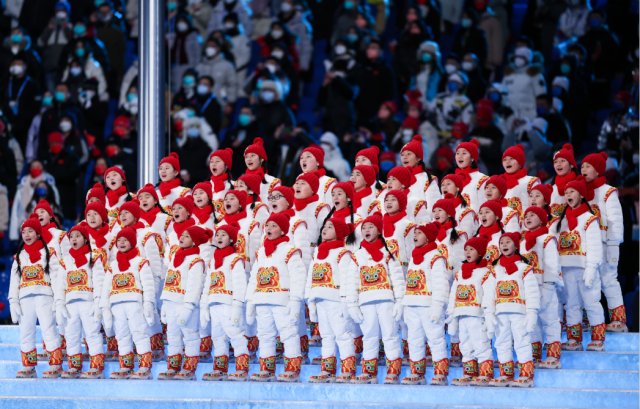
x,y
211,52
61,15
467,66
17,69
229,25
450,68
557,104
519,62
285,7
271,68
133,107
202,89
15,49
65,126
340,49
278,54
75,71
277,34
182,26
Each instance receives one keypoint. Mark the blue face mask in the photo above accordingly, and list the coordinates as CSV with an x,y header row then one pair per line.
x,y
494,97
60,96
348,5
466,23
16,38
193,132
172,6
426,57
79,31
131,97
268,96
41,191
453,86
565,68
47,101
352,38
80,52
244,119
188,81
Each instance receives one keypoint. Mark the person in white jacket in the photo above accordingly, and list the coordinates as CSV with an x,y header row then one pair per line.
x,y
518,182
88,66
215,65
312,162
117,192
255,158
466,218
472,179
334,161
425,184
363,178
170,187
523,83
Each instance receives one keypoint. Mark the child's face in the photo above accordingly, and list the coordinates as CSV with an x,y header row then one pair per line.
x,y
167,172
510,165
394,184
231,204
77,240
127,218
43,217
573,197
328,232
391,204
302,190
217,166
419,238
409,159
94,220
147,201
440,215
29,236
358,180
200,198
536,199
507,246
123,245
447,186
339,198
487,217
370,232
185,240
589,172
222,239
471,255
240,185
492,192
113,180
561,166
531,221
277,202
363,160
463,158
180,213
273,231
252,161
308,162
92,199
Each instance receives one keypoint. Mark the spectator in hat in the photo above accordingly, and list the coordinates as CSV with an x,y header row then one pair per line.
x,y
271,112
83,66
214,64
523,83
20,45
239,7
184,50
452,105
19,102
429,73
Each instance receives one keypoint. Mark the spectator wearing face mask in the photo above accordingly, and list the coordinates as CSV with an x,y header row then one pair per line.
x,y
54,38
33,133
225,80
489,135
271,112
130,79
296,22
344,19
19,102
184,49
374,81
429,72
334,161
453,105
337,96
110,30
523,83
93,109
240,47
224,7
477,84
19,45
64,165
207,105
62,106
469,38
92,45
83,66
490,24
240,136
558,131
194,144
186,95
201,12
405,59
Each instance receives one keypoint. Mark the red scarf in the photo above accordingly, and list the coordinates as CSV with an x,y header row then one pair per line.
x,y
300,204
342,213
320,172
137,226
271,245
203,214
415,171
165,187
33,250
593,185
99,235
573,214
488,232
234,219
181,254
220,254
46,232
373,248
419,252
114,195
125,258
444,227
389,222
561,181
466,175
80,255
326,246
258,172
531,236
457,199
289,213
358,196
179,228
150,216
509,263
219,182
504,203
467,268
513,178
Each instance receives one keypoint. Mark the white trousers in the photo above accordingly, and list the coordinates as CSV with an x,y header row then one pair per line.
x,y
420,330
185,337
81,321
511,331
334,329
130,327
223,331
273,320
610,285
156,328
379,323
38,308
579,296
548,328
474,343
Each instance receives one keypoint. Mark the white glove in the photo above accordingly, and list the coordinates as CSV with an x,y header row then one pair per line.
x,y
356,314
205,317
452,326
589,276
61,313
237,313
163,314
97,312
107,318
398,309
435,312
184,313
532,321
16,312
313,311
490,324
294,310
251,314
148,309
613,255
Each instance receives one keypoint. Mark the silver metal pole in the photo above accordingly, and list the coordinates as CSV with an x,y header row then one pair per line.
x,y
151,123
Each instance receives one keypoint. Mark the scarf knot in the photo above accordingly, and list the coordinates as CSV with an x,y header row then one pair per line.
x,y
33,250
561,181
389,222
220,254
203,214
418,253
573,214
530,237
444,228
150,216
326,246
166,187
512,179
181,254
374,248
124,258
180,227
219,182
114,195
271,245
301,204
467,268
488,232
509,263
358,196
80,255
466,175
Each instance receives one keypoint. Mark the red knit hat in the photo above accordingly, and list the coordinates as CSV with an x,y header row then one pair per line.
x,y
149,188
206,186
471,147
317,153
368,173
456,179
514,235
257,147
311,179
411,123
539,211
81,228
430,230
375,219
97,191
173,159
199,235
99,208
499,182
400,196
447,204
287,192
252,182
372,154
44,205
598,161
479,244
225,154
341,227
579,184
566,152
186,202
231,230
281,220
347,188
133,207
517,153
494,206
402,174
241,195
546,191
415,146
128,233
32,222
116,169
